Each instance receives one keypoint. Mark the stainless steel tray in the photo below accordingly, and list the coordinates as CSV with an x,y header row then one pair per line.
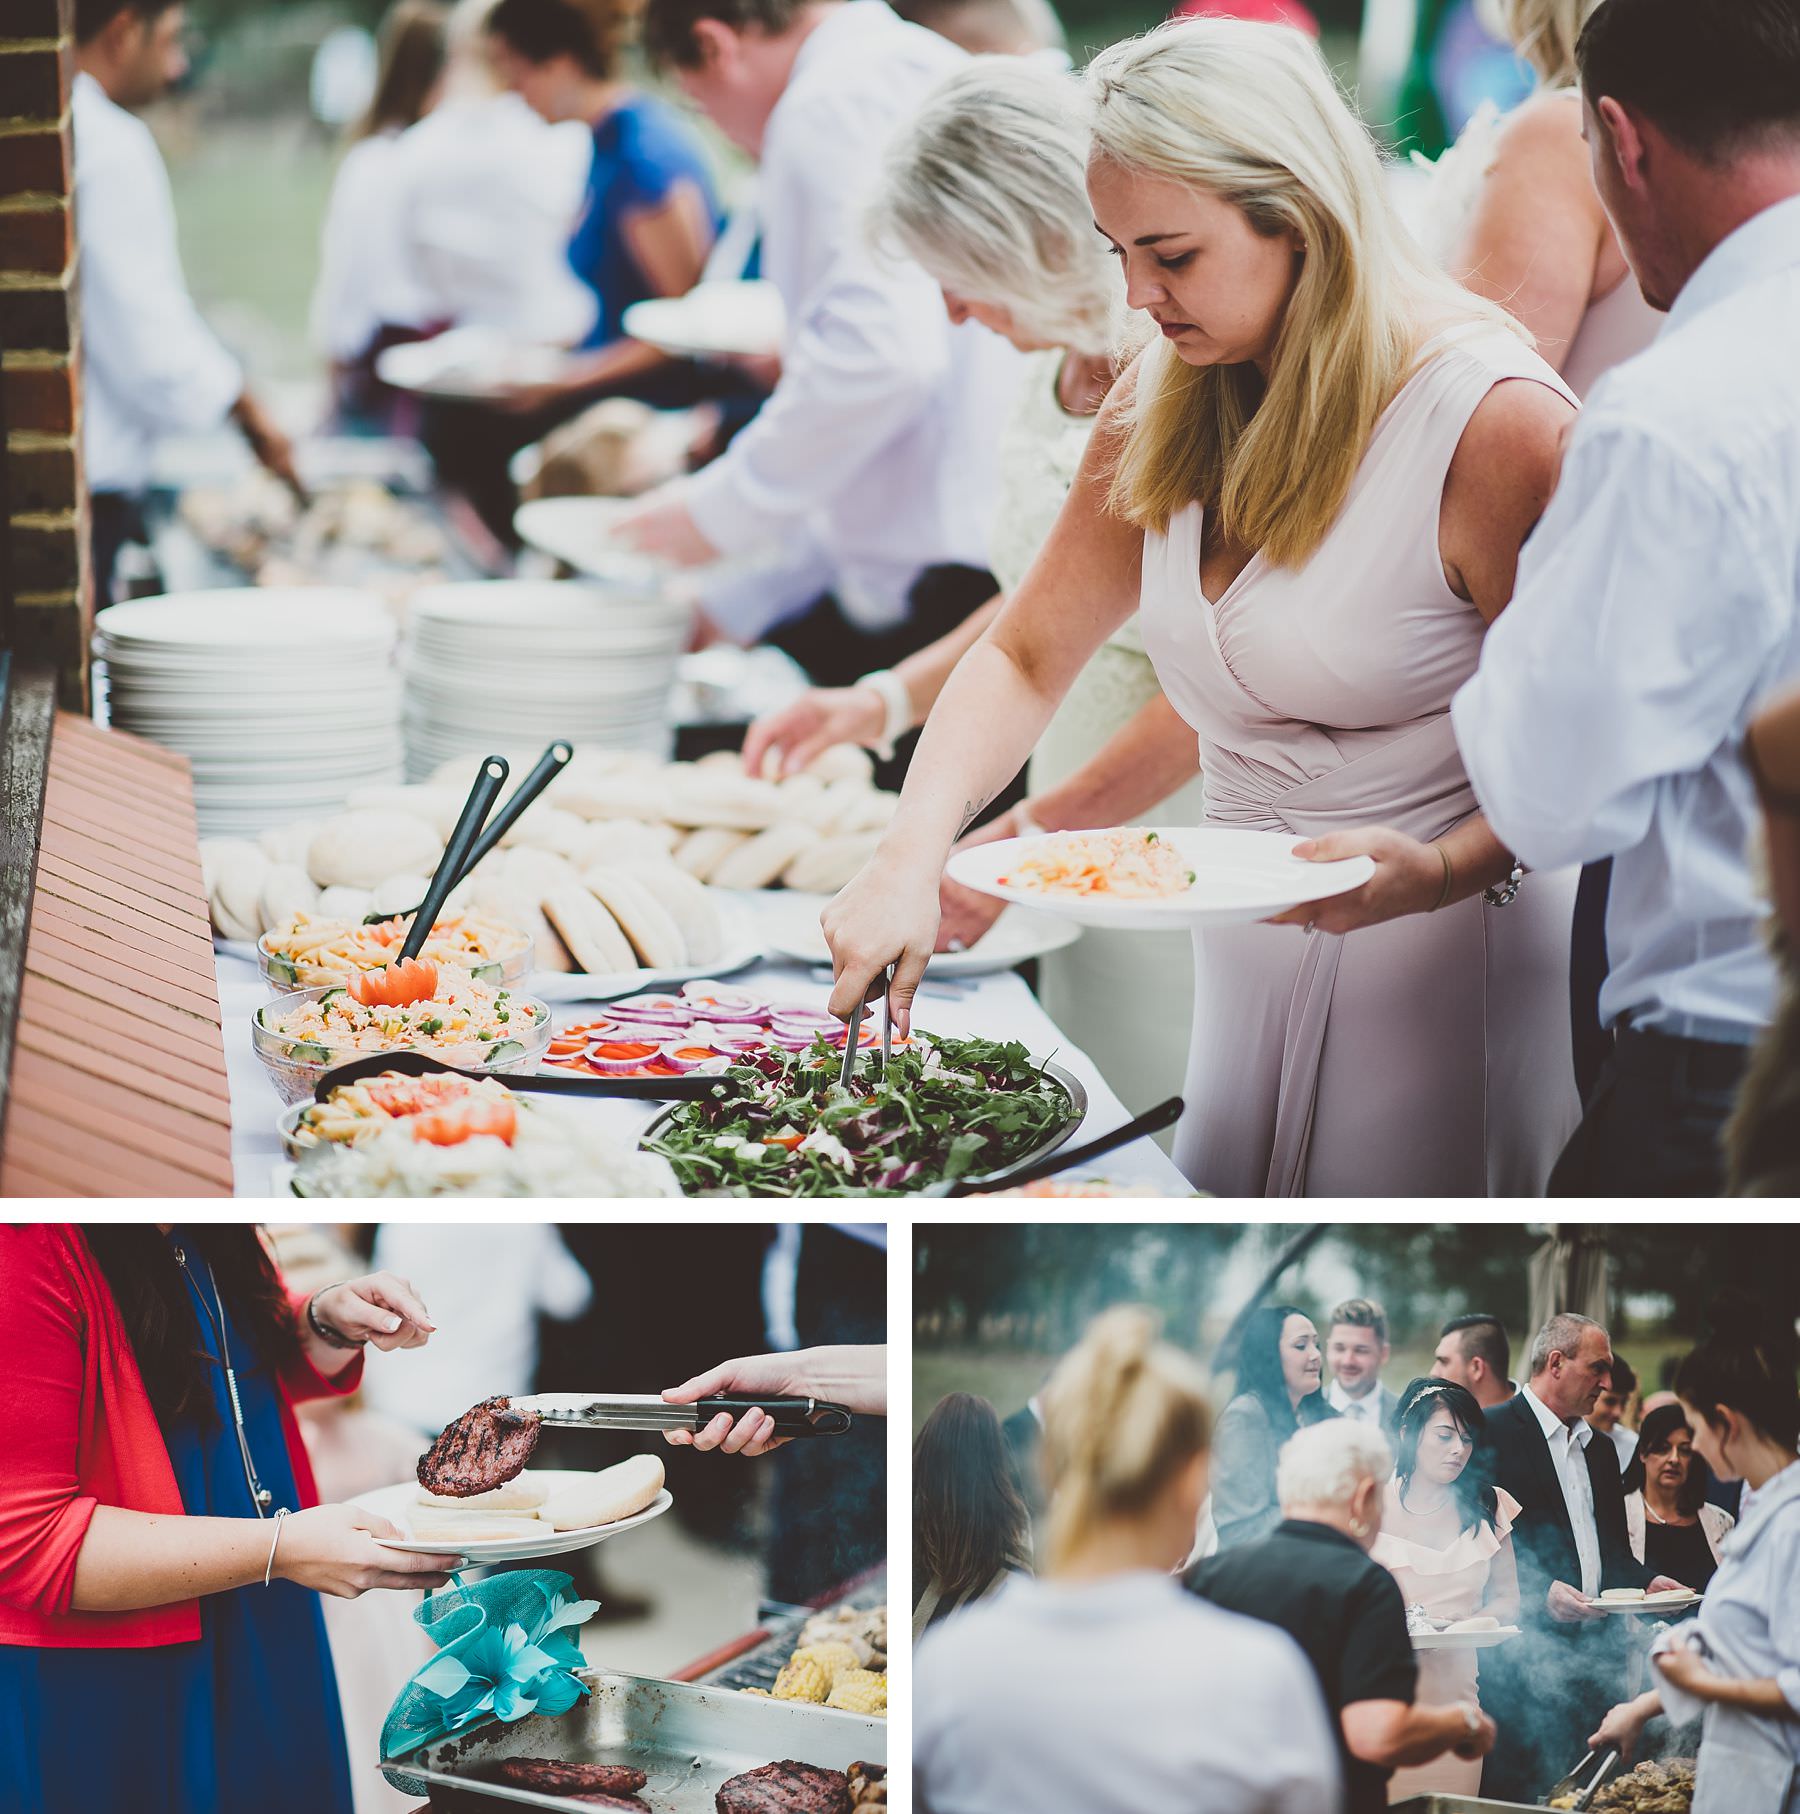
x,y
688,1740
1065,1080
1463,1804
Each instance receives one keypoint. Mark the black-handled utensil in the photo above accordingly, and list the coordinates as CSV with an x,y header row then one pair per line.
x,y
644,1411
692,1086
1152,1121
883,980
475,810
549,765
1581,1785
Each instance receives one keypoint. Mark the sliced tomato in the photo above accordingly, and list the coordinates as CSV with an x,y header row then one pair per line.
x,y
395,985
624,1048
403,1095
460,1121
787,1142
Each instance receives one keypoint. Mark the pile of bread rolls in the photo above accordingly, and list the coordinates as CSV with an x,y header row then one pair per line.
x,y
526,1508
608,870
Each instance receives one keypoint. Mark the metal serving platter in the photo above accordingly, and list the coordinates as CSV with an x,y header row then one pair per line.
x,y
1071,1086
1463,1804
688,1740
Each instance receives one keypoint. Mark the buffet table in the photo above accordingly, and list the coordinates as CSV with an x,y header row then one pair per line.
x,y
997,1006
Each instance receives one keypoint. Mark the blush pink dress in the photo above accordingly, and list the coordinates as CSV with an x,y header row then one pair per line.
x,y
1450,1583
1428,1056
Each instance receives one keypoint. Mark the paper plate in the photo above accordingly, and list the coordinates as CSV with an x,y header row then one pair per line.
x,y
1463,1640
791,925
746,318
578,532
1240,877
468,363
1667,1601
398,1503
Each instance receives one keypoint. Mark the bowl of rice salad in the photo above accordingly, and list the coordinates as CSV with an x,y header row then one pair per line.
x,y
441,1109
312,953
472,1025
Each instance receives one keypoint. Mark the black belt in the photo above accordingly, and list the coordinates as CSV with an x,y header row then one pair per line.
x,y
1701,1064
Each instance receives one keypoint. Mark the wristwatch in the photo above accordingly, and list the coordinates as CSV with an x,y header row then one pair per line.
x,y
1503,894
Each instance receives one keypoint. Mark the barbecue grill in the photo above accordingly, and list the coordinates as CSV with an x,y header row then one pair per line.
x,y
757,1663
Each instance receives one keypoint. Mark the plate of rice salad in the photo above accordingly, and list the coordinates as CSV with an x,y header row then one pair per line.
x,y
312,953
782,1125
1163,875
471,1025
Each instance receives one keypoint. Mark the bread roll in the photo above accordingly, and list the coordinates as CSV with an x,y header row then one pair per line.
x,y
688,903
289,843
544,828
523,1493
632,795
344,904
642,918
359,849
701,852
843,762
830,863
869,813
235,895
616,841
606,1497
593,936
286,890
758,863
536,872
712,796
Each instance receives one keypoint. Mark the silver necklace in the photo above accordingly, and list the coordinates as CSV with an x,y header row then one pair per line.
x,y
260,1496
1422,1511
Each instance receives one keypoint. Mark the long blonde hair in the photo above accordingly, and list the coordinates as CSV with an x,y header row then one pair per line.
x,y
1544,32
1123,1414
1250,113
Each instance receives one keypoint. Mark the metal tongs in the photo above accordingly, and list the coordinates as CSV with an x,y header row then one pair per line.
x,y
643,1411
1579,1783
882,986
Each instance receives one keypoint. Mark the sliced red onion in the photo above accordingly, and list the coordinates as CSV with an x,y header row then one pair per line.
x,y
654,1032
667,1008
621,1067
713,996
671,1055
796,1018
734,1029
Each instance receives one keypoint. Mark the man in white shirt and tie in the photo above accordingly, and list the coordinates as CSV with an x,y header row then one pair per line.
x,y
1658,602
874,463
1356,1349
1570,1544
150,365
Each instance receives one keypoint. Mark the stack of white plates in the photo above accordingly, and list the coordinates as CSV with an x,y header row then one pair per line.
x,y
283,701
506,663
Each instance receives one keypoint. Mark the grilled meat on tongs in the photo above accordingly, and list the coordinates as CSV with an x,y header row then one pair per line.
x,y
483,1449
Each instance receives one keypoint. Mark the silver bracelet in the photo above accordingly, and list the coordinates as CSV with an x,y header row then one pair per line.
x,y
332,1338
1503,894
280,1513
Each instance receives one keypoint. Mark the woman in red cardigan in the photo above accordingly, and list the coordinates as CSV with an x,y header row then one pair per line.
x,y
161,1544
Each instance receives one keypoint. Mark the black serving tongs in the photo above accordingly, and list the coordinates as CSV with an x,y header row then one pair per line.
x,y
1152,1121
490,831
692,1086
1581,1782
634,1411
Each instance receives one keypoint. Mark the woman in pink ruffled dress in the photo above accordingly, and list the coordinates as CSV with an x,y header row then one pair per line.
x,y
1447,1539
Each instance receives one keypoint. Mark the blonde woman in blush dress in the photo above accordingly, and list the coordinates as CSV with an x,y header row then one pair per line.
x,y
1314,488
1447,1540
986,189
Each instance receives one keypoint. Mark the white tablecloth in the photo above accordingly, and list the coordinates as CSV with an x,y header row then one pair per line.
x,y
993,1007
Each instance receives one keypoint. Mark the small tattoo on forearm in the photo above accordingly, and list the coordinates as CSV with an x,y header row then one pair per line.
x,y
972,810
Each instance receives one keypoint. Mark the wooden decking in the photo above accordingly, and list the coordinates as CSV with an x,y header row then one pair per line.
x,y
118,1084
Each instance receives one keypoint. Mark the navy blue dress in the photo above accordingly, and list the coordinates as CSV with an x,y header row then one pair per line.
x,y
246,1717
642,150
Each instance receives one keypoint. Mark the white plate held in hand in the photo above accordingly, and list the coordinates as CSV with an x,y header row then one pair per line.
x,y
399,1504
1239,877
1464,1640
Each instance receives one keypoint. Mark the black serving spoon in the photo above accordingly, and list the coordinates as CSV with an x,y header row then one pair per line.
x,y
549,765
691,1086
1152,1121
456,853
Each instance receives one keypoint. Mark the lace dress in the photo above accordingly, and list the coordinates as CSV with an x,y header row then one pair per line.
x,y
1109,991
1451,1581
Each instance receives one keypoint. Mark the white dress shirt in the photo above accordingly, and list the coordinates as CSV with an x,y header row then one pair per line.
x,y
366,281
150,365
1657,604
489,194
1116,1697
1366,1409
1568,1451
880,441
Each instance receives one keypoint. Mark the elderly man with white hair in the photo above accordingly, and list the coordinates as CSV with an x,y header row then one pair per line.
x,y
1570,1542
1312,1576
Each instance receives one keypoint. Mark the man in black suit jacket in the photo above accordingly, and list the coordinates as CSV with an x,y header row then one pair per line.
x,y
1549,1687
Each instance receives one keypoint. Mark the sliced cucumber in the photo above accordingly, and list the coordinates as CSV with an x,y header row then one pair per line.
x,y
308,1053
488,973
282,970
504,1051
331,995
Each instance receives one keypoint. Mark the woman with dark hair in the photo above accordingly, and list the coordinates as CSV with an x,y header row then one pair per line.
x,y
1671,1527
1279,1367
160,1536
367,297
1446,1537
971,1531
650,213
1737,1665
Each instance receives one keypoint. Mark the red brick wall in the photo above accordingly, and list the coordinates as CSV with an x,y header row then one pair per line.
x,y
40,344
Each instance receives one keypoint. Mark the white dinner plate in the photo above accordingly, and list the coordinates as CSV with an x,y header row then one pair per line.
x,y
791,924
468,363
1669,1600
1463,1640
1239,877
578,532
398,1503
745,317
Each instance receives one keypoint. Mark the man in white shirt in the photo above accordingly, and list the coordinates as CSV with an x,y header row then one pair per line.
x,y
1658,602
1570,1544
877,451
150,364
1356,1349
1607,1416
